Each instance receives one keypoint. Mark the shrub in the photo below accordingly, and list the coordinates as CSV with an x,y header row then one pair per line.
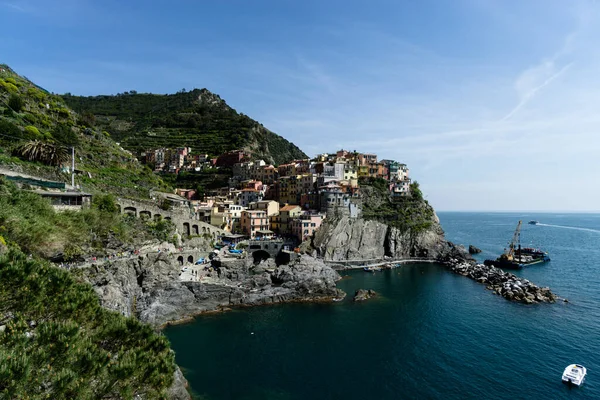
x,y
16,102
31,132
75,348
10,129
9,87
12,80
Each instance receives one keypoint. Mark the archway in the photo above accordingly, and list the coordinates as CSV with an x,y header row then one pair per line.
x,y
260,255
186,228
130,210
145,214
195,229
180,259
157,217
168,218
191,259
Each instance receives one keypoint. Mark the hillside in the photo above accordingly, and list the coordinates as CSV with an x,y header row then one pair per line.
x,y
198,119
31,116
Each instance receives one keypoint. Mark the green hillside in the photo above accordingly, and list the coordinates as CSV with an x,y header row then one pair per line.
x,y
198,119
31,115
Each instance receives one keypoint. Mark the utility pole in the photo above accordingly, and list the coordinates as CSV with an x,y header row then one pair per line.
x,y
73,166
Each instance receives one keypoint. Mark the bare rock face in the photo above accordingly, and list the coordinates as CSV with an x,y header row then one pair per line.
x,y
149,286
349,239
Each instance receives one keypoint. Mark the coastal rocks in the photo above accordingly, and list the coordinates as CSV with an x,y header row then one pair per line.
x,y
362,294
474,250
502,283
149,286
343,239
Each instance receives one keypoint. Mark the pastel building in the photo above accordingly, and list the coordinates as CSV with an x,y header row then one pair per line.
x,y
253,221
306,224
282,223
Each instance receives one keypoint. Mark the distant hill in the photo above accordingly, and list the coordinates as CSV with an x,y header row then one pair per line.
x,y
198,119
30,114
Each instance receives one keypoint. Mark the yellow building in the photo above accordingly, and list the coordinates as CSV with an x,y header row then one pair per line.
x,y
282,223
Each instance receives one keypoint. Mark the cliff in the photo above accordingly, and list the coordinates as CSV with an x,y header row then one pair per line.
x,y
398,228
348,239
149,286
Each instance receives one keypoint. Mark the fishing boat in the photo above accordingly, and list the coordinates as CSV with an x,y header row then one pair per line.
x,y
517,257
574,375
533,222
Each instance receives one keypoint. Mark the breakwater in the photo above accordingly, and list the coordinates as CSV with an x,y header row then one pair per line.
x,y
502,283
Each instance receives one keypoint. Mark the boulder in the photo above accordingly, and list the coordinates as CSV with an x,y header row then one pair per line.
x,y
362,294
474,250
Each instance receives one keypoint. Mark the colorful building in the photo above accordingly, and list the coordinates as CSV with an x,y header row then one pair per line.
x,y
306,224
253,221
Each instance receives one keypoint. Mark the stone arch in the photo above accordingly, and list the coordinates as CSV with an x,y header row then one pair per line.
x,y
180,260
195,229
145,214
203,230
186,228
190,259
168,218
260,255
130,210
215,235
158,217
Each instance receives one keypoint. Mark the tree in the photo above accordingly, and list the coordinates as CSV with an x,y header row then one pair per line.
x,y
64,134
47,153
16,102
105,202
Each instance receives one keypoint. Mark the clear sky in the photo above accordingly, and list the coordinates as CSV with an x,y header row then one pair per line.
x,y
493,104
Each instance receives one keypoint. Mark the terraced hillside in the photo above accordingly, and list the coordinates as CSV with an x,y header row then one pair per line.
x,y
31,116
198,119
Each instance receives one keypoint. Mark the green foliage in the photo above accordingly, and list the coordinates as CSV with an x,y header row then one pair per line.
x,y
65,134
70,347
8,86
409,214
16,102
106,203
32,132
161,229
29,221
10,129
415,191
43,152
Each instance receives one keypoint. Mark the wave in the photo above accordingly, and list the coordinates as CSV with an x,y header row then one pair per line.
x,y
571,227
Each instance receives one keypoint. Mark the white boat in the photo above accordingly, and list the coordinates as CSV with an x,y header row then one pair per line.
x,y
574,374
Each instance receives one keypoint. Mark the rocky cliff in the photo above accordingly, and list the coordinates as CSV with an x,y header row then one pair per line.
x,y
347,239
150,288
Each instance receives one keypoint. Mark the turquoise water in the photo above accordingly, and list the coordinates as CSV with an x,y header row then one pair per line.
x,y
431,334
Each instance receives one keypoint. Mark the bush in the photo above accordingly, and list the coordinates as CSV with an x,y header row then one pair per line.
x,y
31,132
10,129
59,343
16,102
9,87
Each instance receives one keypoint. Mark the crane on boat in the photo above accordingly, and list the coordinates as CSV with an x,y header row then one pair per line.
x,y
515,243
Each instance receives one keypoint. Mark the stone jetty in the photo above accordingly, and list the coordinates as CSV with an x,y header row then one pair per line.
x,y
503,283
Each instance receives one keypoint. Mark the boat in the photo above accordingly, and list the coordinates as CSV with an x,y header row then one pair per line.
x,y
532,222
372,269
517,257
574,375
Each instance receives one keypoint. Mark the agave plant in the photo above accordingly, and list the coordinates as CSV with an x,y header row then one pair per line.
x,y
47,153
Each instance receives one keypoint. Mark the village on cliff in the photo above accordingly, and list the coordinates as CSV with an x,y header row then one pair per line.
x,y
290,200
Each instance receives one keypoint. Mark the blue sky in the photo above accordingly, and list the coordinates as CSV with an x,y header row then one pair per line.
x,y
494,105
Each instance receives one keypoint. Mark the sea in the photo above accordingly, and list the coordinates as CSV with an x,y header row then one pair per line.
x,y
430,334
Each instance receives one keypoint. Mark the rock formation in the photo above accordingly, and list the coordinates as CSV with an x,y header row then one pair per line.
x,y
474,250
345,238
149,286
362,294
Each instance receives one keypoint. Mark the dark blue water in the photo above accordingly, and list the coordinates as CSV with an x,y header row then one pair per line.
x,y
431,334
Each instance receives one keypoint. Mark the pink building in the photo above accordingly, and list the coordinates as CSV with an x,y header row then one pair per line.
x,y
305,226
253,221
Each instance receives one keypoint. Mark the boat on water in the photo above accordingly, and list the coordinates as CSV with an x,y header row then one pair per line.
x,y
517,257
372,269
532,222
574,375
